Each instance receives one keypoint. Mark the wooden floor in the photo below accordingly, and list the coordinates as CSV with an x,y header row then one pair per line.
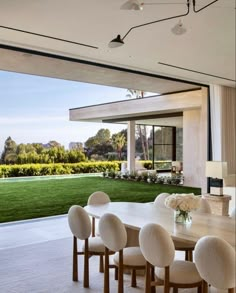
x,y
36,257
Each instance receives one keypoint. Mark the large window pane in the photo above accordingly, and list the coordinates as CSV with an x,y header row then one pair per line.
x,y
179,144
163,135
163,152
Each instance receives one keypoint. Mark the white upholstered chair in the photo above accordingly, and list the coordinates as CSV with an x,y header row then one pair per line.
x,y
189,246
158,249
114,236
80,226
215,261
98,197
204,206
160,199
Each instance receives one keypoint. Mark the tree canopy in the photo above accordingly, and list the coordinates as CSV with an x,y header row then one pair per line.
x,y
52,152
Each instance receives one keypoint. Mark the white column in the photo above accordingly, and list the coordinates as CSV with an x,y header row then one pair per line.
x,y
216,122
195,145
223,121
131,146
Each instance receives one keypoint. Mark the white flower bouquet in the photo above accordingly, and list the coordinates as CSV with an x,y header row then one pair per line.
x,y
183,204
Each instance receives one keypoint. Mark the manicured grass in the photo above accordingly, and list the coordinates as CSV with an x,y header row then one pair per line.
x,y
27,200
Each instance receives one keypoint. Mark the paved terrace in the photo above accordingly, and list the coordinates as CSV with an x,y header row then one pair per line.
x,y
36,256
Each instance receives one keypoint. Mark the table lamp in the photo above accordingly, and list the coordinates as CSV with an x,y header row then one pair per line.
x,y
216,170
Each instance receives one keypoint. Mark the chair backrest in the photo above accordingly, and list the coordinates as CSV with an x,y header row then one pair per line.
x,y
79,222
98,197
156,245
204,206
160,199
112,232
233,214
215,262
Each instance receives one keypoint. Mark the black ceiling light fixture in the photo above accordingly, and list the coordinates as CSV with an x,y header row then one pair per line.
x,y
136,5
48,37
117,42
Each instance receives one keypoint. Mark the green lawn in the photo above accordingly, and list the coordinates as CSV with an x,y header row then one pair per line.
x,y
28,199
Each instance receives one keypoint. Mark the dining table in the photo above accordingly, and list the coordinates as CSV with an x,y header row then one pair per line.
x,y
136,215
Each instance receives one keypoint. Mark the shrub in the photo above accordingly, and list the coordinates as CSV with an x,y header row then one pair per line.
x,y
57,169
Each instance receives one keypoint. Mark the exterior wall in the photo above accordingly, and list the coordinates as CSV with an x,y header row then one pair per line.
x,y
195,145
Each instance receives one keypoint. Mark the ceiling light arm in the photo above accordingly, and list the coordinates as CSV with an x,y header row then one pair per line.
x,y
194,6
168,18
46,36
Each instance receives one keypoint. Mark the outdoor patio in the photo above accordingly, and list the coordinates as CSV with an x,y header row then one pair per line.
x,y
36,256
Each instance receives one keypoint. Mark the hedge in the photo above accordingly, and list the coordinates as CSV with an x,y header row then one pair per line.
x,y
63,168
57,169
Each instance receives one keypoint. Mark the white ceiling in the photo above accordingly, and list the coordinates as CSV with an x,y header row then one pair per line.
x,y
207,47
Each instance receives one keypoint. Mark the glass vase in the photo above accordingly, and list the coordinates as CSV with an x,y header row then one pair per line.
x,y
182,217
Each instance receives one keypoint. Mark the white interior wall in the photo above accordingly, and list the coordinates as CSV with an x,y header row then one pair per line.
x,y
223,128
223,125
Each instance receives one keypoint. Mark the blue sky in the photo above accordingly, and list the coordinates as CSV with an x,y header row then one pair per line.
x,y
36,109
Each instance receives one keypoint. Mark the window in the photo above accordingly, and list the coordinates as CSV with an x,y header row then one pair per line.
x,y
167,146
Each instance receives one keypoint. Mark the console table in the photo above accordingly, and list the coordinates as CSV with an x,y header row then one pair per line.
x,y
219,204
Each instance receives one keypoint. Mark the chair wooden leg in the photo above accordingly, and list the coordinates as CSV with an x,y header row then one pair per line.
x,y
186,255
116,273
199,289
190,255
120,273
133,278
106,272
75,260
166,280
86,265
148,278
204,287
175,290
101,264
93,227
153,288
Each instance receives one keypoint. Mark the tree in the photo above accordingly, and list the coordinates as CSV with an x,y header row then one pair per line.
x,y
38,147
91,142
142,130
118,142
99,144
9,155
75,156
103,135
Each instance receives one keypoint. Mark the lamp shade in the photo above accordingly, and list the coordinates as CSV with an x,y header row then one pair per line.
x,y
216,169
